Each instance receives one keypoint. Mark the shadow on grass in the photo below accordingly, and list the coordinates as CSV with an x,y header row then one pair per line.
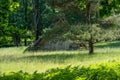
x,y
52,58
8,58
59,58
114,44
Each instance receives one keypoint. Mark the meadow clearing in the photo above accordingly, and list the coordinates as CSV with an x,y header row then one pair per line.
x,y
14,59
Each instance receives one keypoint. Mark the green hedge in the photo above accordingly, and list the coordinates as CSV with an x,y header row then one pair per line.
x,y
104,71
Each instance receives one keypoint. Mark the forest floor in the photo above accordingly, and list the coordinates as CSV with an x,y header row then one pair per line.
x,y
13,58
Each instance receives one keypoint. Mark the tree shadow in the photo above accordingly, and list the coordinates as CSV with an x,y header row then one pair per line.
x,y
115,44
52,58
59,58
8,58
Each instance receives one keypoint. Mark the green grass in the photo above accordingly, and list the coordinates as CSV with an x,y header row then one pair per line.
x,y
13,59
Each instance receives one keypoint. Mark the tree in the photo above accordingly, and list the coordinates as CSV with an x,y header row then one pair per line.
x,y
38,8
25,2
16,23
80,34
83,7
92,10
102,7
4,13
20,21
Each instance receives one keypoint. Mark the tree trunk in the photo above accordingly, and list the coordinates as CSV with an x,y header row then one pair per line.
x,y
25,42
37,22
25,18
88,7
88,18
16,39
36,18
91,46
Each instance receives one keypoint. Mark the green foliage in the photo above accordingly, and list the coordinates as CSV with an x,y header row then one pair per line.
x,y
13,6
4,13
55,32
81,33
4,9
104,71
107,7
16,76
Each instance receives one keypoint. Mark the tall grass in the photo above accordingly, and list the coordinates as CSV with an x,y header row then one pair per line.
x,y
13,59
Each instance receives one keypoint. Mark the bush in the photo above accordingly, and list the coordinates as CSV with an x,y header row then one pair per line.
x,y
104,71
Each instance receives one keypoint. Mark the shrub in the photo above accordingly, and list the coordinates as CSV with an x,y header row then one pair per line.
x,y
104,71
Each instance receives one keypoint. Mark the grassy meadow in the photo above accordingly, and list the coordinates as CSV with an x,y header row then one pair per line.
x,y
14,59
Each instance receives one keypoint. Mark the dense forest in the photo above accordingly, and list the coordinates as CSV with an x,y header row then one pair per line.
x,y
82,22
